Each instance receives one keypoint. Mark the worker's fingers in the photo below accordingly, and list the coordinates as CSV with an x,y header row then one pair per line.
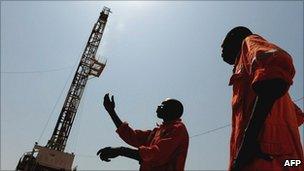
x,y
98,152
106,96
265,156
106,160
106,148
112,98
260,154
102,150
102,153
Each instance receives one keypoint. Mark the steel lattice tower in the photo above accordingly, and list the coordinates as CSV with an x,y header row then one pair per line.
x,y
88,66
52,156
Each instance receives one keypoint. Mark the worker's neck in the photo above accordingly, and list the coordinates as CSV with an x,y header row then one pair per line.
x,y
169,120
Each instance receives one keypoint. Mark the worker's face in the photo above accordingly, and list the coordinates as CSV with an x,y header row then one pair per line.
x,y
162,109
230,50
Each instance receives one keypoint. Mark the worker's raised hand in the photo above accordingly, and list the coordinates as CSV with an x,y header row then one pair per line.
x,y
105,154
109,104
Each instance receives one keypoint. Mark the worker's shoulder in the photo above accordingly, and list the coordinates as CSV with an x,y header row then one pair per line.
x,y
258,43
181,130
255,45
254,37
255,42
180,127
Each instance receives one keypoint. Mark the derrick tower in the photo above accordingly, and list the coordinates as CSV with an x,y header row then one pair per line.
x,y
52,156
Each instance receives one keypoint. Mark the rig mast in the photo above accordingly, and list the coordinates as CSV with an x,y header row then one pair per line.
x,y
52,156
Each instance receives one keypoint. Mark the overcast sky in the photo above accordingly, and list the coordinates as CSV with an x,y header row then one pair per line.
x,y
154,50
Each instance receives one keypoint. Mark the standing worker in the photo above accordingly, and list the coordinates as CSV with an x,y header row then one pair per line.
x,y
265,120
162,149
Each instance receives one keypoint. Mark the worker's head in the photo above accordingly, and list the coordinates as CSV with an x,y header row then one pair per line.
x,y
232,43
170,109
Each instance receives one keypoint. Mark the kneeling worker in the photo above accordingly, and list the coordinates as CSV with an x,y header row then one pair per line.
x,y
164,148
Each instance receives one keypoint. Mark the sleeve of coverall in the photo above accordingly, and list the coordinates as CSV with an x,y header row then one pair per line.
x,y
272,64
160,153
300,115
135,138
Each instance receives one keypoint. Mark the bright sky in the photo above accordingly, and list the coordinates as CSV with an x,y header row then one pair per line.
x,y
154,50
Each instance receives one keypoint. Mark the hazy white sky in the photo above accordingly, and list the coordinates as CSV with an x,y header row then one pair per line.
x,y
154,50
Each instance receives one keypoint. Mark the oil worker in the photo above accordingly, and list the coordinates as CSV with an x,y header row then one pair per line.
x,y
162,149
265,120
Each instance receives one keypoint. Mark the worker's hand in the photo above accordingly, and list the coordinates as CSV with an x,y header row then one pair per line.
x,y
109,104
248,152
105,154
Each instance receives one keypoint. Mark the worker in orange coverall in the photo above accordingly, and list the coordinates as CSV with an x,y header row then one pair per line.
x,y
162,149
265,120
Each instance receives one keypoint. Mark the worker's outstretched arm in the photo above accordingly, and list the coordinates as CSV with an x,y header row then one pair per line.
x,y
110,107
267,92
105,154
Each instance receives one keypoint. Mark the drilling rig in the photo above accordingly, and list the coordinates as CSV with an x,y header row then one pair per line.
x,y
52,156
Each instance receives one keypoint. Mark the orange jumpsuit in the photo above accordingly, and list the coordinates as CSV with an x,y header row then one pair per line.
x,y
162,149
260,60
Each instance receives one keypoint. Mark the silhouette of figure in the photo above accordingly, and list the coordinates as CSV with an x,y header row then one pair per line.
x,y
264,119
164,148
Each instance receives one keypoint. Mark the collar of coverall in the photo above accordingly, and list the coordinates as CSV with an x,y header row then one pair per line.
x,y
170,122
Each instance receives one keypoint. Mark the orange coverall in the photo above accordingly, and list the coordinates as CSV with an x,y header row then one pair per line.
x,y
260,60
162,149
